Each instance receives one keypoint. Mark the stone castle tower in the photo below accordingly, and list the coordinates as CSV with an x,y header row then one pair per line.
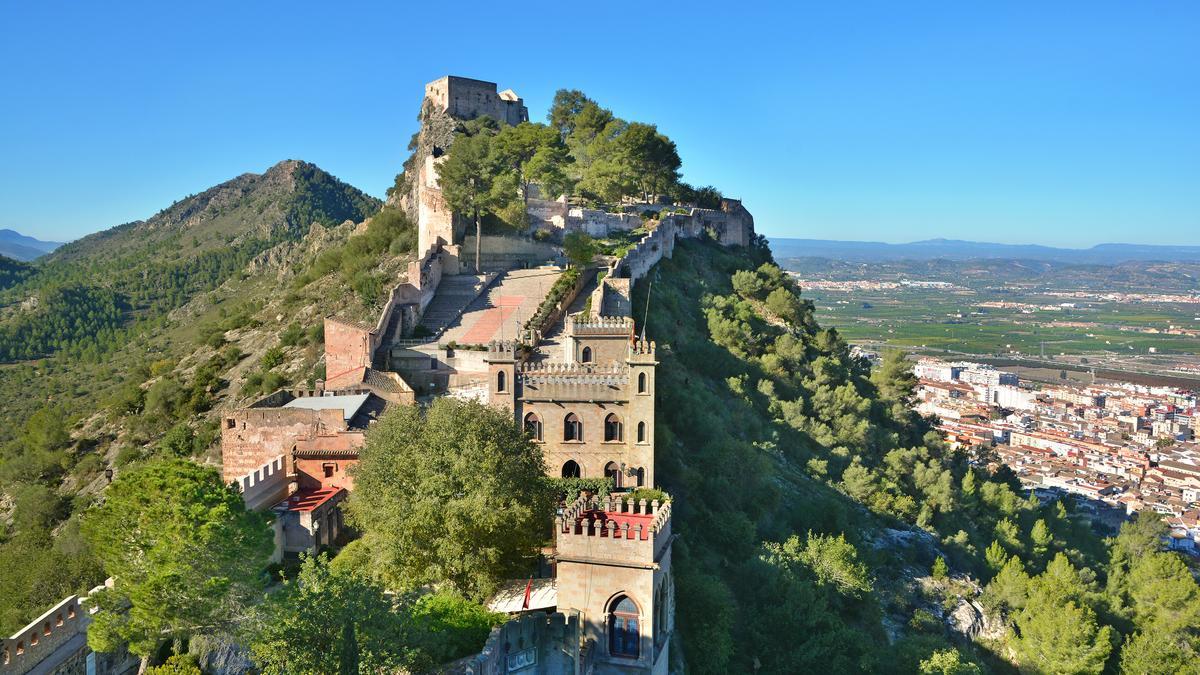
x,y
613,562
448,101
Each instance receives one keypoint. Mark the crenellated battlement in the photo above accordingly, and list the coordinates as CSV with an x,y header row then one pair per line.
x,y
620,531
575,382
266,485
600,325
502,350
641,350
530,372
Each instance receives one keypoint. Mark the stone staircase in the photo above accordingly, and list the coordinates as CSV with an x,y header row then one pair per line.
x,y
454,294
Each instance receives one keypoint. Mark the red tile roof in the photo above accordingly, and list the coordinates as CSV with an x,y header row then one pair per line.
x,y
310,500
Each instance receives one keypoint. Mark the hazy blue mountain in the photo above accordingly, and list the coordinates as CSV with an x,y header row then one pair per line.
x,y
20,247
952,249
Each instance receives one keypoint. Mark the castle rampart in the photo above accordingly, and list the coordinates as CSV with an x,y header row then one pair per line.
x,y
265,486
535,644
56,642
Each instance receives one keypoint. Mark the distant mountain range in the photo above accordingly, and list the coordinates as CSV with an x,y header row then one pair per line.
x,y
952,249
20,247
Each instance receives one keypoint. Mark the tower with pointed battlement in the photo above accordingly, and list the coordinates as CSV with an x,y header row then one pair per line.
x,y
613,563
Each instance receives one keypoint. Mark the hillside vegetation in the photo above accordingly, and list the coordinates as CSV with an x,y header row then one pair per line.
x,y
146,331
824,526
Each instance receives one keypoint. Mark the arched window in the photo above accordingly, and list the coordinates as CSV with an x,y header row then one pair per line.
x,y
641,383
501,381
572,428
613,473
623,637
570,469
641,477
533,426
587,355
612,427
641,432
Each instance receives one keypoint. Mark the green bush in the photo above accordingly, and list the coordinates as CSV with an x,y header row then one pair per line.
x,y
567,489
292,335
271,358
179,664
449,627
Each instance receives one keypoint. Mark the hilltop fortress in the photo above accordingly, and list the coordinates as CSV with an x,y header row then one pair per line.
x,y
561,353
569,366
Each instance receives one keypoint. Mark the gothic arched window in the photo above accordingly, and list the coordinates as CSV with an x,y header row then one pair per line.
x,y
623,636
612,427
587,355
572,428
571,469
613,473
533,426
641,436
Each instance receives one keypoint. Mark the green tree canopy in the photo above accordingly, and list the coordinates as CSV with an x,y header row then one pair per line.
x,y
472,182
452,493
532,153
579,247
186,554
329,621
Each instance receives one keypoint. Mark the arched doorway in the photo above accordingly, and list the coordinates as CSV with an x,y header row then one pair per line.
x,y
571,469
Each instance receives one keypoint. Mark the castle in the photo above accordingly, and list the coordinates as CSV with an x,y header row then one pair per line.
x,y
571,369
580,383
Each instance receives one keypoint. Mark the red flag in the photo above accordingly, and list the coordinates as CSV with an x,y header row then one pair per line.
x,y
528,592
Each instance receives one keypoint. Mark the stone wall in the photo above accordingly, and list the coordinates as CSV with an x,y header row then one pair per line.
x,y
535,644
267,485
599,223
545,214
56,642
465,99
252,437
348,347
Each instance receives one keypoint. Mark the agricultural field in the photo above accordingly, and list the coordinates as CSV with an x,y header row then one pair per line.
x,y
1114,315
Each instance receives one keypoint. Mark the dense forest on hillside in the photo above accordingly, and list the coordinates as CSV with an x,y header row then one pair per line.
x,y
87,291
824,526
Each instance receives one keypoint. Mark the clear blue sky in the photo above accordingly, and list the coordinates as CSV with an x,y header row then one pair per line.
x,y
1064,123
